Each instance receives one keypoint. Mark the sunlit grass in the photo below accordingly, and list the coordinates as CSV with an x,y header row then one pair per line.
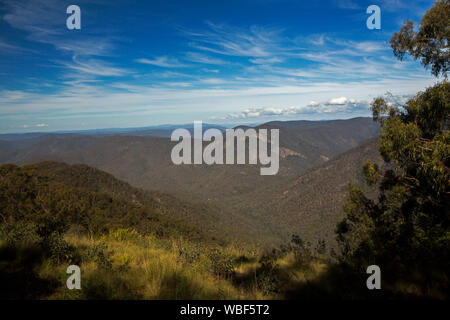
x,y
143,268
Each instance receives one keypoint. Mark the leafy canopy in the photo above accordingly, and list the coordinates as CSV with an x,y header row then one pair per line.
x,y
408,226
430,42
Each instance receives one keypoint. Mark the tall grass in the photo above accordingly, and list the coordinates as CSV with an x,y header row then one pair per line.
x,y
126,265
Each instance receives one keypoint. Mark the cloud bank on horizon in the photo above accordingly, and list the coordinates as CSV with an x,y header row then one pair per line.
x,y
136,64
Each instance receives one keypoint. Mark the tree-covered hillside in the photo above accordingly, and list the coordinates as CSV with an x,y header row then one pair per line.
x,y
56,197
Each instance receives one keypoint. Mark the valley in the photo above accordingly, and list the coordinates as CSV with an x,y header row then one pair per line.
x,y
236,201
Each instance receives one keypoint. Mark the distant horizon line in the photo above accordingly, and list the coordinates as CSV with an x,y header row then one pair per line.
x,y
169,126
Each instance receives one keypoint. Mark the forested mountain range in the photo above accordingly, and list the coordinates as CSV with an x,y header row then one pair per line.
x,y
233,200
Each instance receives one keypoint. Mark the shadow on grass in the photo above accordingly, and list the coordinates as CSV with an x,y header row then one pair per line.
x,y
108,286
18,276
341,282
178,286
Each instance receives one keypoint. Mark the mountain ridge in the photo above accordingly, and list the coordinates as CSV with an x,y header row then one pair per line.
x,y
237,193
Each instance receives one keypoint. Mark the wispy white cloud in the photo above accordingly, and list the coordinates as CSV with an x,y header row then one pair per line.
x,y
95,67
10,48
270,52
258,42
44,22
88,46
162,61
266,61
174,75
318,41
226,71
202,58
138,99
9,96
211,70
213,81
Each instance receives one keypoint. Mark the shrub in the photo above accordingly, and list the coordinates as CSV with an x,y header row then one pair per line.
x,y
267,275
19,232
301,251
100,254
189,254
60,250
221,263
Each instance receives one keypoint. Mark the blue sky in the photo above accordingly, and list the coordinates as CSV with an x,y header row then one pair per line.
x,y
142,63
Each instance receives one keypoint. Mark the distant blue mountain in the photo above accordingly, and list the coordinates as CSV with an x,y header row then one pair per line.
x,y
164,130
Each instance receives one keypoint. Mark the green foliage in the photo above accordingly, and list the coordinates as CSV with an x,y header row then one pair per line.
x,y
25,233
355,230
228,201
407,229
190,253
21,231
60,250
100,254
371,172
430,42
409,224
301,250
221,263
54,202
268,275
